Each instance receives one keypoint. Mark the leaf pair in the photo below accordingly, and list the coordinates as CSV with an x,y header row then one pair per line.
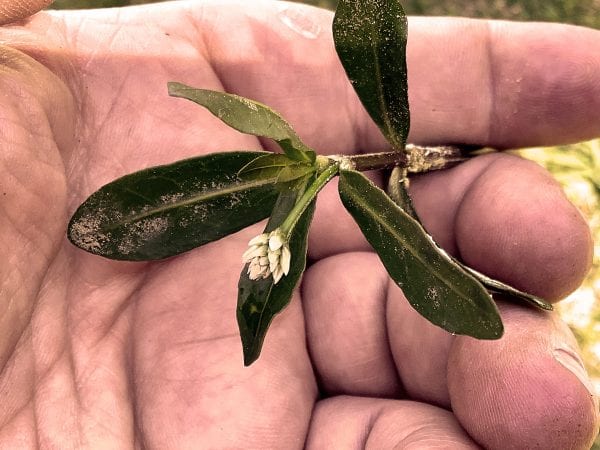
x,y
166,210
370,37
440,291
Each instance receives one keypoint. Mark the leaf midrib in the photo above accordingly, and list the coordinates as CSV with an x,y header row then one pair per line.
x,y
381,95
201,197
365,205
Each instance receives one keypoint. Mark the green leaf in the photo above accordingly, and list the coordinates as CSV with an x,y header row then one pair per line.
x,y
511,293
260,300
398,192
247,116
370,40
166,210
434,285
275,165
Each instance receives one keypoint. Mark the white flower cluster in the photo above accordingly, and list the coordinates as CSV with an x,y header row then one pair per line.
x,y
267,254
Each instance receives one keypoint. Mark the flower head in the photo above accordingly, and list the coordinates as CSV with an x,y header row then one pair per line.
x,y
268,254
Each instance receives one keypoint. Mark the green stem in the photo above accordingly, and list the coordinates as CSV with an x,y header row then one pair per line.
x,y
309,195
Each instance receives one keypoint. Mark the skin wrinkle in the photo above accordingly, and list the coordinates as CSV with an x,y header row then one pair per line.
x,y
84,374
7,390
24,409
23,248
132,385
38,426
116,317
203,34
372,420
45,374
363,423
415,432
13,297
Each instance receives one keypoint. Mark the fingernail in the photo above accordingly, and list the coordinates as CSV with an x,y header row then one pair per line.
x,y
569,359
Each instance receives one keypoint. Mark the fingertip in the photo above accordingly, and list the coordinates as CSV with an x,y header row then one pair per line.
x,y
539,102
15,10
515,224
514,393
498,83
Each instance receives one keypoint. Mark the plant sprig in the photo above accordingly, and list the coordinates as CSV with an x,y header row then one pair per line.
x,y
166,210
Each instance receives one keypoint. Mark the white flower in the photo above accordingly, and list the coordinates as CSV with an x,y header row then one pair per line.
x,y
268,254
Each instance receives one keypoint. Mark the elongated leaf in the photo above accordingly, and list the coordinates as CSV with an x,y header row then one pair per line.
x,y
247,116
260,300
275,165
511,293
370,40
398,192
165,210
439,290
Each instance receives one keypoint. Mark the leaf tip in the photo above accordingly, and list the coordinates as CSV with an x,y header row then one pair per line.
x,y
250,356
174,88
251,347
542,304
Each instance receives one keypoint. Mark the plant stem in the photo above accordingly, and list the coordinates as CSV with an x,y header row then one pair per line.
x,y
307,197
373,161
415,158
424,159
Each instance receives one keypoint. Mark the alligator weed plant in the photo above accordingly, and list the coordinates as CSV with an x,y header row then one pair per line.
x,y
166,210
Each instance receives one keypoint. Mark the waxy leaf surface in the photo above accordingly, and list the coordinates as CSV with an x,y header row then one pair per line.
x,y
260,300
166,210
247,116
434,285
370,40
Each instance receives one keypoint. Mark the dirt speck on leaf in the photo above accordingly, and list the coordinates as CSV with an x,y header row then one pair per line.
x,y
85,233
139,233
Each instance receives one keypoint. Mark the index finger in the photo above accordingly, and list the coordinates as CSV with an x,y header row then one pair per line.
x,y
503,84
492,83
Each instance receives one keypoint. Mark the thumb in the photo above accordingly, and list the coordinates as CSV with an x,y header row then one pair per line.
x,y
14,10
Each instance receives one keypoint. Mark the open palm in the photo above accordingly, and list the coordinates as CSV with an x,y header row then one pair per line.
x,y
97,353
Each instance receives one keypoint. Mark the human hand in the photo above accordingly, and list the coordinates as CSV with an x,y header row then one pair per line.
x,y
98,353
